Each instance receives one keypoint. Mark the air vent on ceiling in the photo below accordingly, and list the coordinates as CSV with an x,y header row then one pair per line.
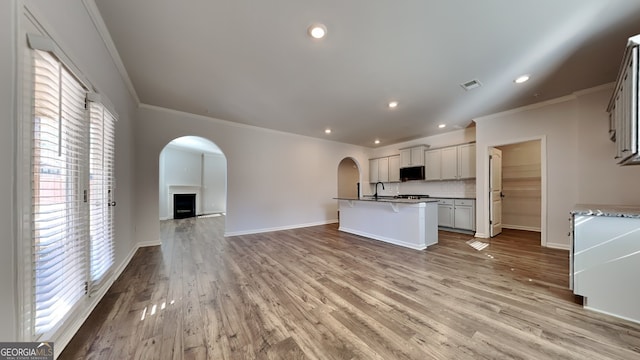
x,y
470,85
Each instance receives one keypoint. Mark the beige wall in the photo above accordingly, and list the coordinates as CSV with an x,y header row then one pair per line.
x,y
601,180
8,295
275,180
577,158
521,184
348,178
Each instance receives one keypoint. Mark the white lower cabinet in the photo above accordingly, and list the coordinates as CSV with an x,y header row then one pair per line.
x,y
445,212
457,214
464,214
606,262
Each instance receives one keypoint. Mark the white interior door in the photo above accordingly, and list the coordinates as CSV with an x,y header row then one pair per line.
x,y
495,191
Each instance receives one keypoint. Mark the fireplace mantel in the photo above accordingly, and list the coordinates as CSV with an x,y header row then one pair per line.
x,y
184,189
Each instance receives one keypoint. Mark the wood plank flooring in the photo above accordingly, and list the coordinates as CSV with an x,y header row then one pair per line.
x,y
317,293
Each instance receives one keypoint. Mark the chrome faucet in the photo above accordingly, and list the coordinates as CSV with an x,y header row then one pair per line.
x,y
376,194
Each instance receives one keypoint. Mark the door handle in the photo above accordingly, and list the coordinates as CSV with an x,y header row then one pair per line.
x,y
501,194
113,203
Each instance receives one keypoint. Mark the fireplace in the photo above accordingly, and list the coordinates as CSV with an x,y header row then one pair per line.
x,y
184,206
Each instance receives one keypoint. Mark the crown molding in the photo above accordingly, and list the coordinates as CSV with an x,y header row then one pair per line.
x,y
573,96
101,27
239,125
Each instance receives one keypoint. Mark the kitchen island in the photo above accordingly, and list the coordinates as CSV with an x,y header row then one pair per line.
x,y
411,223
605,258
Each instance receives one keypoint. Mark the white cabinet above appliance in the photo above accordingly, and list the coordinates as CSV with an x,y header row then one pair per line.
x,y
413,156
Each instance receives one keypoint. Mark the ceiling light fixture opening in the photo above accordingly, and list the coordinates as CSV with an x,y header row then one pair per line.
x,y
376,142
442,126
327,131
317,31
521,79
393,104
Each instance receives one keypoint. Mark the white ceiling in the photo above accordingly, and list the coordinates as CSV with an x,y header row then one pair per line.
x,y
252,62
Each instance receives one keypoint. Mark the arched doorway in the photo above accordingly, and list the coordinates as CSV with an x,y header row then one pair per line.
x,y
192,179
348,178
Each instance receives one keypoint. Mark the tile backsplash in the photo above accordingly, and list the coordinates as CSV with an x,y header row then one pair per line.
x,y
453,188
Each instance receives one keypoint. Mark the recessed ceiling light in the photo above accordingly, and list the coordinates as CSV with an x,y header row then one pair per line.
x,y
521,79
376,142
317,31
393,104
327,131
442,126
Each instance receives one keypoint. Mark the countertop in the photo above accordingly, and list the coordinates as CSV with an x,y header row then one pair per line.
x,y
389,199
453,197
626,211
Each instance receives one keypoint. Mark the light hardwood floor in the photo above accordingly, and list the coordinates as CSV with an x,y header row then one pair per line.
x,y
317,293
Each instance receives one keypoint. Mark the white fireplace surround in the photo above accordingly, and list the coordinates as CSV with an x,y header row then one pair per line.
x,y
183,189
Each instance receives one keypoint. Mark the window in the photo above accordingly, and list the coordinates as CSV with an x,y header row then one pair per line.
x,y
101,181
59,215
72,172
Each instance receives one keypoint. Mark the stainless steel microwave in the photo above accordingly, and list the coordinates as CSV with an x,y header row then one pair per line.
x,y
412,173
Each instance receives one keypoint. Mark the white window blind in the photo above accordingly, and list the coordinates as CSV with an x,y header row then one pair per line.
x,y
101,184
60,217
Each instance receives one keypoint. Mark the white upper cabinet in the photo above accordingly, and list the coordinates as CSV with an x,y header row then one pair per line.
x,y
451,163
394,168
373,170
432,161
466,161
623,108
413,156
385,169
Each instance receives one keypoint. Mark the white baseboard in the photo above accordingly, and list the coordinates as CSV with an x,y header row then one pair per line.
x,y
148,243
637,321
481,235
558,246
518,227
383,238
64,339
279,228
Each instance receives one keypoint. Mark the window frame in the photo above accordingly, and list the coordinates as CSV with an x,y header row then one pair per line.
x,y
24,170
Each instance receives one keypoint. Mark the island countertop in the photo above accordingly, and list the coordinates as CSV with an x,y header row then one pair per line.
x,y
389,199
411,223
626,211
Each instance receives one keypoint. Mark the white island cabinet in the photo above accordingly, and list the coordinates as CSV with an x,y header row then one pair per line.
x,y
606,259
404,222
